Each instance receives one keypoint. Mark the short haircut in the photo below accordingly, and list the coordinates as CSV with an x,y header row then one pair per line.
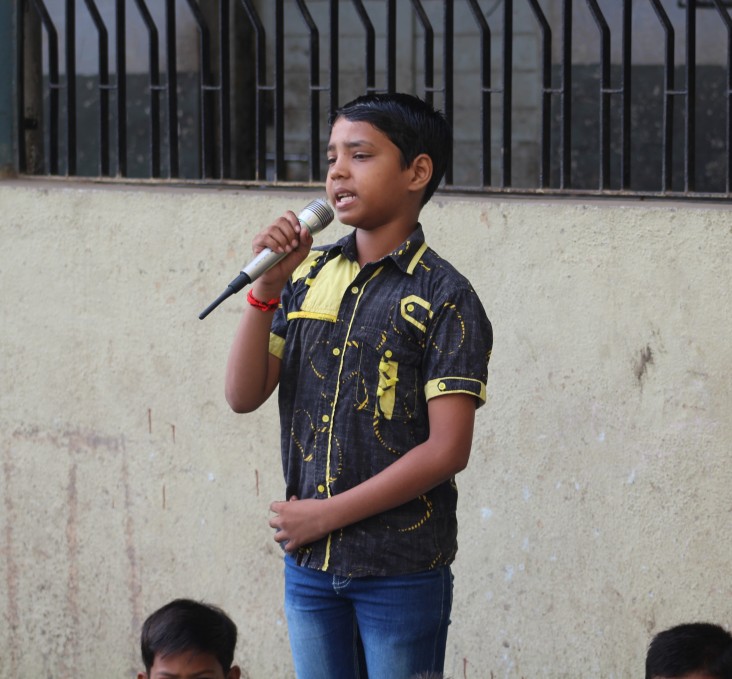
x,y
186,625
691,647
411,124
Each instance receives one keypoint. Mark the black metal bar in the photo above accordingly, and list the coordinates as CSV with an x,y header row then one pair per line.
x,y
565,179
54,85
22,8
315,149
449,26
690,137
333,102
506,151
104,87
724,14
391,46
224,154
627,48
207,89
604,140
172,77
154,86
485,91
429,52
546,93
260,172
71,87
121,89
370,46
668,100
279,91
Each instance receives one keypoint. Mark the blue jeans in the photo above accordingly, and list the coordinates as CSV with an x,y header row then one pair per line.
x,y
372,627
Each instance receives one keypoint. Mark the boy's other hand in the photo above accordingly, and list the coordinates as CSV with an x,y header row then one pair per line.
x,y
298,522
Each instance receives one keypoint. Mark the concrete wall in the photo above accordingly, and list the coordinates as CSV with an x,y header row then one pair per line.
x,y
596,509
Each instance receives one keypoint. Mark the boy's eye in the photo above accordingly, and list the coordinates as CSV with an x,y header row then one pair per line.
x,y
331,161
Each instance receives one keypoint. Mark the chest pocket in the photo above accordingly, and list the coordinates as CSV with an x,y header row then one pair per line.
x,y
390,369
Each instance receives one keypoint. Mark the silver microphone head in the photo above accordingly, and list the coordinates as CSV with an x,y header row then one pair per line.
x,y
316,215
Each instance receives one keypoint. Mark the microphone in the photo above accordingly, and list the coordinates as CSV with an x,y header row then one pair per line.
x,y
315,217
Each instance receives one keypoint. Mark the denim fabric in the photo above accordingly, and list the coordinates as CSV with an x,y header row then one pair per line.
x,y
372,627
363,351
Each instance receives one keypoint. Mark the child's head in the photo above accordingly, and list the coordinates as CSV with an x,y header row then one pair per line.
x,y
412,125
690,651
185,638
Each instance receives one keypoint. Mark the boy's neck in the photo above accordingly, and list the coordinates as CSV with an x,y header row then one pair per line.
x,y
374,244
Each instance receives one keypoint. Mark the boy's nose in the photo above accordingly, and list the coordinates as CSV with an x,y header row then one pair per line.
x,y
336,169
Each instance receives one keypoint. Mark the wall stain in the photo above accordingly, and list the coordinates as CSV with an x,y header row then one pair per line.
x,y
77,443
641,365
11,570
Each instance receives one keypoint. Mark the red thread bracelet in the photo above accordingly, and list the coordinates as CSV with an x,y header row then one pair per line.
x,y
271,305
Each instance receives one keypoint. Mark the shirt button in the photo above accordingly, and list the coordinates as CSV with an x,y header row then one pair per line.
x,y
325,418
410,308
336,352
442,386
321,488
354,290
387,353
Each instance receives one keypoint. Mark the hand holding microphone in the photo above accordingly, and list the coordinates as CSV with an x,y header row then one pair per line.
x,y
314,218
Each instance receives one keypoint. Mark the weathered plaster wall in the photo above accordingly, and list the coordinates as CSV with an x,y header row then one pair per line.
x,y
596,509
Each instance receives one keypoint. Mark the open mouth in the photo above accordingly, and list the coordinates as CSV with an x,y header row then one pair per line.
x,y
344,198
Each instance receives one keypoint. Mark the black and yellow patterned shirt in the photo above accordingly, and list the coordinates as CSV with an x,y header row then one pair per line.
x,y
363,350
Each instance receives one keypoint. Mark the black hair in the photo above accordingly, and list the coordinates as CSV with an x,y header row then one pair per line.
x,y
691,647
186,625
411,124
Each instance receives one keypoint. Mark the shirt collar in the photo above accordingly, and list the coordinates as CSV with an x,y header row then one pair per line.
x,y
402,256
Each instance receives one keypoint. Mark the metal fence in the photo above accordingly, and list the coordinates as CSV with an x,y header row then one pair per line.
x,y
553,96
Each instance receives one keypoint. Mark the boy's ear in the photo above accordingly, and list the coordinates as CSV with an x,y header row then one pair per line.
x,y
234,672
421,172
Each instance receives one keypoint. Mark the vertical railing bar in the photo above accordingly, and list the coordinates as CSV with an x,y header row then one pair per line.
x,y
260,172
314,91
370,46
154,86
206,87
506,150
690,164
22,8
429,51
104,87
172,77
334,58
121,89
627,48
225,81
566,95
391,46
485,92
71,87
279,91
449,26
604,141
668,100
546,93
728,23
54,86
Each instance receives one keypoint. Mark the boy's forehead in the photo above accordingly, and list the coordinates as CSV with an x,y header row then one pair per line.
x,y
186,665
353,133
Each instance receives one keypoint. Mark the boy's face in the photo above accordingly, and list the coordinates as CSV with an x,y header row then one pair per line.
x,y
366,183
189,665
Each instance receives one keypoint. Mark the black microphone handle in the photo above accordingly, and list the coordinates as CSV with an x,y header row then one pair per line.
x,y
237,284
